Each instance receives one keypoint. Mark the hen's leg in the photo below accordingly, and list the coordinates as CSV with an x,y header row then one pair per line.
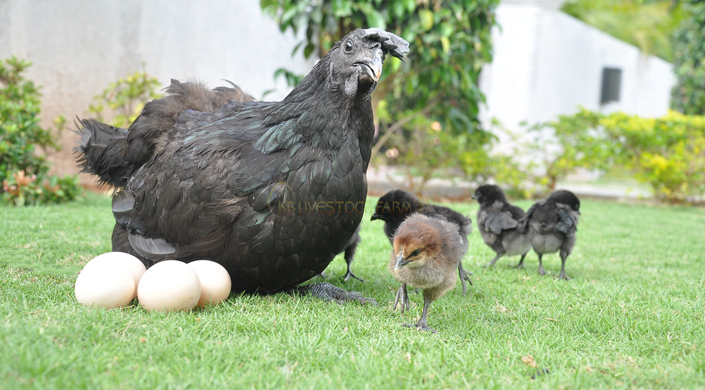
x,y
521,261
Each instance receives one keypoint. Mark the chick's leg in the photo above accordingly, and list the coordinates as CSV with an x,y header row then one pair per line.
x,y
349,257
403,297
541,271
491,263
421,325
464,275
330,292
564,257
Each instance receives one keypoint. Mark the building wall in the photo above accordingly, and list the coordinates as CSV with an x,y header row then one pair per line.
x,y
548,63
78,47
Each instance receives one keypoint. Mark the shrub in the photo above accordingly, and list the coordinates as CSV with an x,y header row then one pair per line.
x,y
667,152
23,172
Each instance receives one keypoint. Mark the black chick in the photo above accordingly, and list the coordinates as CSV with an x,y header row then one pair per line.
x,y
349,254
426,254
552,224
270,190
396,205
498,221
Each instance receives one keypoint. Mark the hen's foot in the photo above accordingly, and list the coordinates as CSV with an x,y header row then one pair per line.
x,y
564,276
329,292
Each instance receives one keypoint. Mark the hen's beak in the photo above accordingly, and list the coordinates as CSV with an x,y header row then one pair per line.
x,y
400,260
372,66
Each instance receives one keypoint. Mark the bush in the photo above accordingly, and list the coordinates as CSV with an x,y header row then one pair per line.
x,y
23,172
668,152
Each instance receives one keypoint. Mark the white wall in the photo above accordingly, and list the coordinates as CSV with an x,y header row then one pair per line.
x,y
78,47
548,63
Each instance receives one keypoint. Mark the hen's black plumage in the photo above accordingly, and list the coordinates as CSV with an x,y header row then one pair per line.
x,y
498,221
396,205
552,224
270,190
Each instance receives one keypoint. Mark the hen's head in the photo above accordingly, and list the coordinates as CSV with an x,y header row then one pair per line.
x,y
488,194
356,61
396,204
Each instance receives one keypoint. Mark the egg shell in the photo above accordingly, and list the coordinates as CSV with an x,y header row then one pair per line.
x,y
215,282
105,285
169,285
133,265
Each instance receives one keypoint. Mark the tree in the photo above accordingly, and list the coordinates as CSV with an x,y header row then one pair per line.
x,y
688,95
449,42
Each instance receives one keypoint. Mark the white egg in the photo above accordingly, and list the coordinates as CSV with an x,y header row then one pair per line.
x,y
132,264
169,285
215,282
105,285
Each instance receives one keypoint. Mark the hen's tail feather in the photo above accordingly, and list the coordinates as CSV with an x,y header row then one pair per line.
x,y
149,131
100,152
114,154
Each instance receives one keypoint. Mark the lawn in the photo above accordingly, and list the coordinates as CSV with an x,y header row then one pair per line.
x,y
632,317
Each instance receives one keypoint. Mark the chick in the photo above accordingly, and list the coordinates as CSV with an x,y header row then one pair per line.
x,y
350,249
427,251
552,224
499,224
395,206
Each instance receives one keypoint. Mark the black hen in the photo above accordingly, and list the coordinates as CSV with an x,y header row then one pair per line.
x,y
270,190
498,221
396,205
552,224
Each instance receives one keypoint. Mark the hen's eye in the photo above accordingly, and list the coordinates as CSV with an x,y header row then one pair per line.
x,y
415,253
348,46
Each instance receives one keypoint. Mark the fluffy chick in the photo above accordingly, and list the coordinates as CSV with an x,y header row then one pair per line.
x,y
498,221
427,251
397,205
552,224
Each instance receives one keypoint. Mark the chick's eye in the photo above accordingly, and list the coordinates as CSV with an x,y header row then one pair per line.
x,y
415,253
348,46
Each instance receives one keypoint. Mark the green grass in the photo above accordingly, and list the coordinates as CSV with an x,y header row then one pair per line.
x,y
632,317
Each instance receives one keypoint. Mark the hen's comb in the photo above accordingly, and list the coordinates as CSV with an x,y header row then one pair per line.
x,y
394,44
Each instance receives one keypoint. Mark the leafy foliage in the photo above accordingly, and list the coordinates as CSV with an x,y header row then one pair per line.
x,y
23,171
668,153
126,98
688,96
646,24
449,42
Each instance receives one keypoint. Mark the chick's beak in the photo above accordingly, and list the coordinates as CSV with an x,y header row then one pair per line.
x,y
373,66
375,217
474,196
400,260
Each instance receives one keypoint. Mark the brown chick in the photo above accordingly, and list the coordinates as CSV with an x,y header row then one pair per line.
x,y
426,255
